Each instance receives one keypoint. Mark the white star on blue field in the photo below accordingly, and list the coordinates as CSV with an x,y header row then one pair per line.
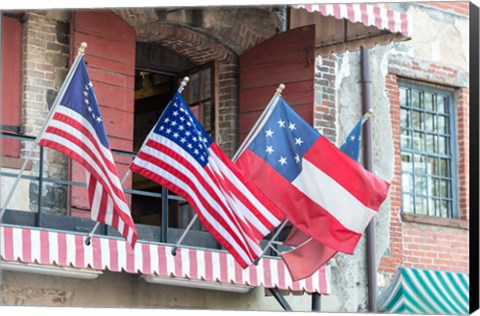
x,y
283,141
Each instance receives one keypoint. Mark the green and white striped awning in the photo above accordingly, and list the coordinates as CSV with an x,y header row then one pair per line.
x,y
418,291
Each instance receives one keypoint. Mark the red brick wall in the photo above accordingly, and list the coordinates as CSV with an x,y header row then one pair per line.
x,y
433,248
389,263
456,7
325,112
413,244
464,153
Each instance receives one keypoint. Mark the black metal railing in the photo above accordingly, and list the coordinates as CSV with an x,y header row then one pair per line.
x,y
45,218
49,219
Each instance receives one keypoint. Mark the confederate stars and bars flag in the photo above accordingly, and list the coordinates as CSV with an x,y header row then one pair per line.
x,y
76,129
325,194
179,155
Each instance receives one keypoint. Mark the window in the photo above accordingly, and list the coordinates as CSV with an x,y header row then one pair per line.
x,y
427,145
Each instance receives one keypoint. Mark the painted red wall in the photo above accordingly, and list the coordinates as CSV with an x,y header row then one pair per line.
x,y
110,57
11,81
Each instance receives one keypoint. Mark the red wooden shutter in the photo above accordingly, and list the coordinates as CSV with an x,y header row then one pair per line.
x,y
110,57
286,58
11,83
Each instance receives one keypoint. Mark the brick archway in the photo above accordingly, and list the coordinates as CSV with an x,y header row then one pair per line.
x,y
203,34
207,34
198,47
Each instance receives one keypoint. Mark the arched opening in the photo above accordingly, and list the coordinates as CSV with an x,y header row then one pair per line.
x,y
158,73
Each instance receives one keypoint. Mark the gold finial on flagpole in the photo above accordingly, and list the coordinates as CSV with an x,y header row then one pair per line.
x,y
183,84
81,49
280,89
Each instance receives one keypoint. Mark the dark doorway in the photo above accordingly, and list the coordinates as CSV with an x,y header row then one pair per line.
x,y
157,77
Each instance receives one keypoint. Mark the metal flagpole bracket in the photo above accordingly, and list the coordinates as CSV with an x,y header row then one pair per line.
x,y
279,230
174,249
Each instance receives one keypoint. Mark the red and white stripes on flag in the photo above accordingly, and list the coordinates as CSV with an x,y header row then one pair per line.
x,y
179,155
76,129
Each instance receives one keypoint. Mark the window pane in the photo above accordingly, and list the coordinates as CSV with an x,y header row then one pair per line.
x,y
443,145
407,162
431,143
416,99
445,208
419,164
407,182
420,205
417,120
443,124
407,203
444,167
421,185
442,105
436,187
405,118
431,207
406,139
428,102
432,165
445,188
418,141
403,96
429,122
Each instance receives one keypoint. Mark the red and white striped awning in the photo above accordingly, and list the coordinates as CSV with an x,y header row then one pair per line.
x,y
348,26
64,249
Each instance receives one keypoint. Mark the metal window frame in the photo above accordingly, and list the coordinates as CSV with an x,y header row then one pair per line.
x,y
453,156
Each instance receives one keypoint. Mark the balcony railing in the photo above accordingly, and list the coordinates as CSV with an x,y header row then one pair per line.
x,y
42,198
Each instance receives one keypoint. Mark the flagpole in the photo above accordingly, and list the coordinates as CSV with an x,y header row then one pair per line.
x,y
268,109
61,93
183,84
261,120
279,230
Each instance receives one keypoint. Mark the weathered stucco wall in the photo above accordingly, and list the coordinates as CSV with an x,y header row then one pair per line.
x,y
349,277
122,290
438,37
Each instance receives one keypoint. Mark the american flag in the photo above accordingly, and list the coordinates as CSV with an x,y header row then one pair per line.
x,y
179,155
76,129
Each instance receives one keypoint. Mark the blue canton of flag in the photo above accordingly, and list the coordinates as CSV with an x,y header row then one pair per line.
x,y
178,125
81,98
351,144
179,155
285,140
